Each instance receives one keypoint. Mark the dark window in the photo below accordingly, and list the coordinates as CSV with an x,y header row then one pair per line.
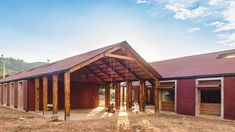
x,y
211,96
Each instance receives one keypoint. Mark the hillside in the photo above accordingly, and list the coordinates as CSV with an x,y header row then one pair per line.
x,y
17,65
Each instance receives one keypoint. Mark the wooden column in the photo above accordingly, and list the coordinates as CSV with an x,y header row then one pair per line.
x,y
128,97
107,95
142,96
156,94
55,94
45,93
117,95
67,96
123,95
37,86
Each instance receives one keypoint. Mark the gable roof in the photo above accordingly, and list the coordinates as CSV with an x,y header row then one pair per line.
x,y
65,64
210,64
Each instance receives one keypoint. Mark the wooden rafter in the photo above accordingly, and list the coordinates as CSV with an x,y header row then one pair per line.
x,y
105,72
93,59
89,61
97,76
116,72
128,69
112,50
119,56
139,63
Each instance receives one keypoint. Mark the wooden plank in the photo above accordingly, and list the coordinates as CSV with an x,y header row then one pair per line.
x,y
107,95
142,96
67,95
120,57
55,79
156,94
45,93
117,95
168,106
37,86
210,109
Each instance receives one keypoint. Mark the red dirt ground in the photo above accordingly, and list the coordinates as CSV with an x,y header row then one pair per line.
x,y
14,121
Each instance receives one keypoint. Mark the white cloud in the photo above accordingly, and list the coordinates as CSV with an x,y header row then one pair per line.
x,y
221,11
182,12
141,1
228,40
194,29
214,2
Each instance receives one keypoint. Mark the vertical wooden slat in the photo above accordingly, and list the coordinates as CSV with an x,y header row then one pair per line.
x,y
117,95
107,95
128,89
67,95
37,85
55,94
142,96
156,94
45,93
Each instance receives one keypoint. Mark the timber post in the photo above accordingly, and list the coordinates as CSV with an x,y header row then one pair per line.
x,y
37,86
55,93
67,95
45,93
156,94
117,95
107,95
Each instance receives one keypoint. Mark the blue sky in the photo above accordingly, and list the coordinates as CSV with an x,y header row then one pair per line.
x,y
38,30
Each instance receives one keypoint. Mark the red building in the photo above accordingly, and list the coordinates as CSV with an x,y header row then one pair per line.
x,y
195,85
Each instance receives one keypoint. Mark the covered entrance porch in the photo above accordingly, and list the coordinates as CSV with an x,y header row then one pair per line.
x,y
77,88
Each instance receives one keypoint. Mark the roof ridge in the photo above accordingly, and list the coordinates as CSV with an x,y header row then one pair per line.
x,y
187,56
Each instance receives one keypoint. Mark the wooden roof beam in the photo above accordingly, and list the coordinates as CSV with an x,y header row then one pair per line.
x,y
116,72
139,63
89,70
119,56
128,69
104,72
93,59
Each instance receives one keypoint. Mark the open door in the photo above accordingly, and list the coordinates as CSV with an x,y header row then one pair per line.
x,y
20,95
167,96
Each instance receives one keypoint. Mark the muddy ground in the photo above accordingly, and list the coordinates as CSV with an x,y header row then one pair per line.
x,y
14,121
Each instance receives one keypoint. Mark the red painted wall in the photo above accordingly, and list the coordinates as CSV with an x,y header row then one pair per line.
x,y
25,94
82,95
1,96
31,94
186,97
229,97
8,94
16,94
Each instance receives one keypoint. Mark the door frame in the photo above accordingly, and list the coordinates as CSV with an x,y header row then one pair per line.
x,y
198,95
12,94
160,97
20,91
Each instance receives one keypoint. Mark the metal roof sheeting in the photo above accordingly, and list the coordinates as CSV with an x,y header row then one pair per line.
x,y
197,65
